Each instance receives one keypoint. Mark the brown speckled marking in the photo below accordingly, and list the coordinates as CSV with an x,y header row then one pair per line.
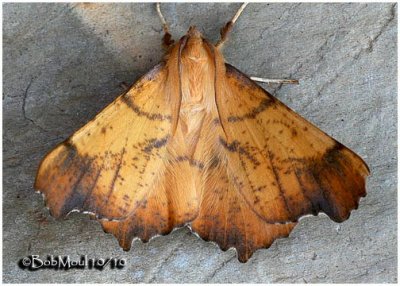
x,y
235,146
156,144
118,168
314,209
151,116
77,197
263,106
335,161
216,121
215,162
87,200
278,181
192,162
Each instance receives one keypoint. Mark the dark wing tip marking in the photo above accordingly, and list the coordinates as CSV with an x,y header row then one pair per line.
x,y
333,163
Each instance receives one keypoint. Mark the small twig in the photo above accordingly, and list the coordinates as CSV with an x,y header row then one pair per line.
x,y
280,81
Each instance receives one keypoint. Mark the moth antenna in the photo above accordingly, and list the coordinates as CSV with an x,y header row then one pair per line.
x,y
167,39
228,27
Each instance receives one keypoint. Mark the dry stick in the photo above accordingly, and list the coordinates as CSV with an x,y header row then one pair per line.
x,y
280,81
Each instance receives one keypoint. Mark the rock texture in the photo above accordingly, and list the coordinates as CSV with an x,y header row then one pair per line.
x,y
62,63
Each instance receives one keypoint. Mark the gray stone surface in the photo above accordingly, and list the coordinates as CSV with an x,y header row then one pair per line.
x,y
62,63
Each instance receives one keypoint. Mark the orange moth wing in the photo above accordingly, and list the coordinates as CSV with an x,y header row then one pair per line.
x,y
269,168
110,165
285,166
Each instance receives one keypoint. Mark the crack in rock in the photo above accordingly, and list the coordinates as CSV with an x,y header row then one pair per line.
x,y
26,117
218,269
371,42
369,49
24,100
157,269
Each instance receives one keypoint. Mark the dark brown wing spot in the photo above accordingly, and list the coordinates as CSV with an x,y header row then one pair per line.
x,y
235,146
116,174
155,144
192,162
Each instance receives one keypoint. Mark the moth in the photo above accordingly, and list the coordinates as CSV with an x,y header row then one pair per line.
x,y
197,143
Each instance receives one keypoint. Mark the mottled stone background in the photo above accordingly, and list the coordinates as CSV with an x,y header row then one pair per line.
x,y
62,63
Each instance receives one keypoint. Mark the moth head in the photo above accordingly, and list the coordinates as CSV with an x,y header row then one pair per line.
x,y
193,32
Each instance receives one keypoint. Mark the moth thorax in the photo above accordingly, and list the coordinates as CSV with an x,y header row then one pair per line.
x,y
197,75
